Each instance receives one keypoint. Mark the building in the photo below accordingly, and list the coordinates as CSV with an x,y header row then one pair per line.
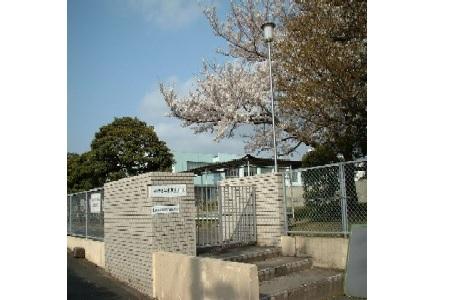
x,y
211,168
186,161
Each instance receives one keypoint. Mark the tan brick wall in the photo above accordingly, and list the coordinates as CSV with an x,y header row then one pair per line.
x,y
132,233
270,215
196,278
94,250
327,252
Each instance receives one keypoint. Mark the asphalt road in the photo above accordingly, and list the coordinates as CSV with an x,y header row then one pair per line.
x,y
86,281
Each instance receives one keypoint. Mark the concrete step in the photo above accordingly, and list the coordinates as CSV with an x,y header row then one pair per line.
x,y
256,255
245,254
311,284
282,265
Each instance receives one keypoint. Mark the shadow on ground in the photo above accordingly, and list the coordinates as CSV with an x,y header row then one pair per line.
x,y
86,281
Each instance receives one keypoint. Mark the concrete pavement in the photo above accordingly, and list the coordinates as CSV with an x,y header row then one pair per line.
x,y
87,281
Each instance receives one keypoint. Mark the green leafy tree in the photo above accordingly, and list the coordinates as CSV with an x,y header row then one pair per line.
x,y
73,171
320,156
125,147
83,172
128,147
322,186
321,193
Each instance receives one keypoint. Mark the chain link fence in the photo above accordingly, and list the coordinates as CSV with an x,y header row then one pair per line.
x,y
85,214
326,199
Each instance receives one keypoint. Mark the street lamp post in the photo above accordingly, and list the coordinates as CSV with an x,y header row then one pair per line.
x,y
268,37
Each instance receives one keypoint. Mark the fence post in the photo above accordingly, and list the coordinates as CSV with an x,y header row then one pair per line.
x,y
343,194
291,193
86,214
285,203
102,213
254,213
219,214
225,219
70,214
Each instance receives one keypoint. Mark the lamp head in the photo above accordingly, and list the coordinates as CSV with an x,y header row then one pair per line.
x,y
268,31
340,157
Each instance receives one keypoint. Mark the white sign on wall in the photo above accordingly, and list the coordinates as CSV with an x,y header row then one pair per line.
x,y
167,191
95,204
162,209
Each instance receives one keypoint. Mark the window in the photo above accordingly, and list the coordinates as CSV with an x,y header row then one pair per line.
x,y
252,171
266,170
294,177
233,172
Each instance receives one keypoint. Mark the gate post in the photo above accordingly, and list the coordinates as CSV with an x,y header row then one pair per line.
x,y
144,214
270,212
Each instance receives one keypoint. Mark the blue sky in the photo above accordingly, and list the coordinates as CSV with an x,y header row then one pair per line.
x,y
119,51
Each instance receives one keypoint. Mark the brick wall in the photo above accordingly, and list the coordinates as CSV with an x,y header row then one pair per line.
x,y
270,215
132,233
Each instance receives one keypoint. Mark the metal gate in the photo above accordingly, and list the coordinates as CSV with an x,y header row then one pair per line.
x,y
226,216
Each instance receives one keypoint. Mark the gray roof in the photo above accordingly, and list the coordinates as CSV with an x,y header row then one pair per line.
x,y
239,162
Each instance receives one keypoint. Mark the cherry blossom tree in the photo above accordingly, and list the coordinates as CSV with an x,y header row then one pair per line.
x,y
236,94
323,58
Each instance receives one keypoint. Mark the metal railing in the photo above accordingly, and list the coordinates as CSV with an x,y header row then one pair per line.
x,y
85,214
207,220
225,215
326,199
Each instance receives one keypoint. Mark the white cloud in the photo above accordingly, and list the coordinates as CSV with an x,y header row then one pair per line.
x,y
184,140
167,13
153,109
153,103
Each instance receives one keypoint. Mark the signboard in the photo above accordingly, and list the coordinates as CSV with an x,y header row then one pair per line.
x,y
95,203
162,209
167,191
